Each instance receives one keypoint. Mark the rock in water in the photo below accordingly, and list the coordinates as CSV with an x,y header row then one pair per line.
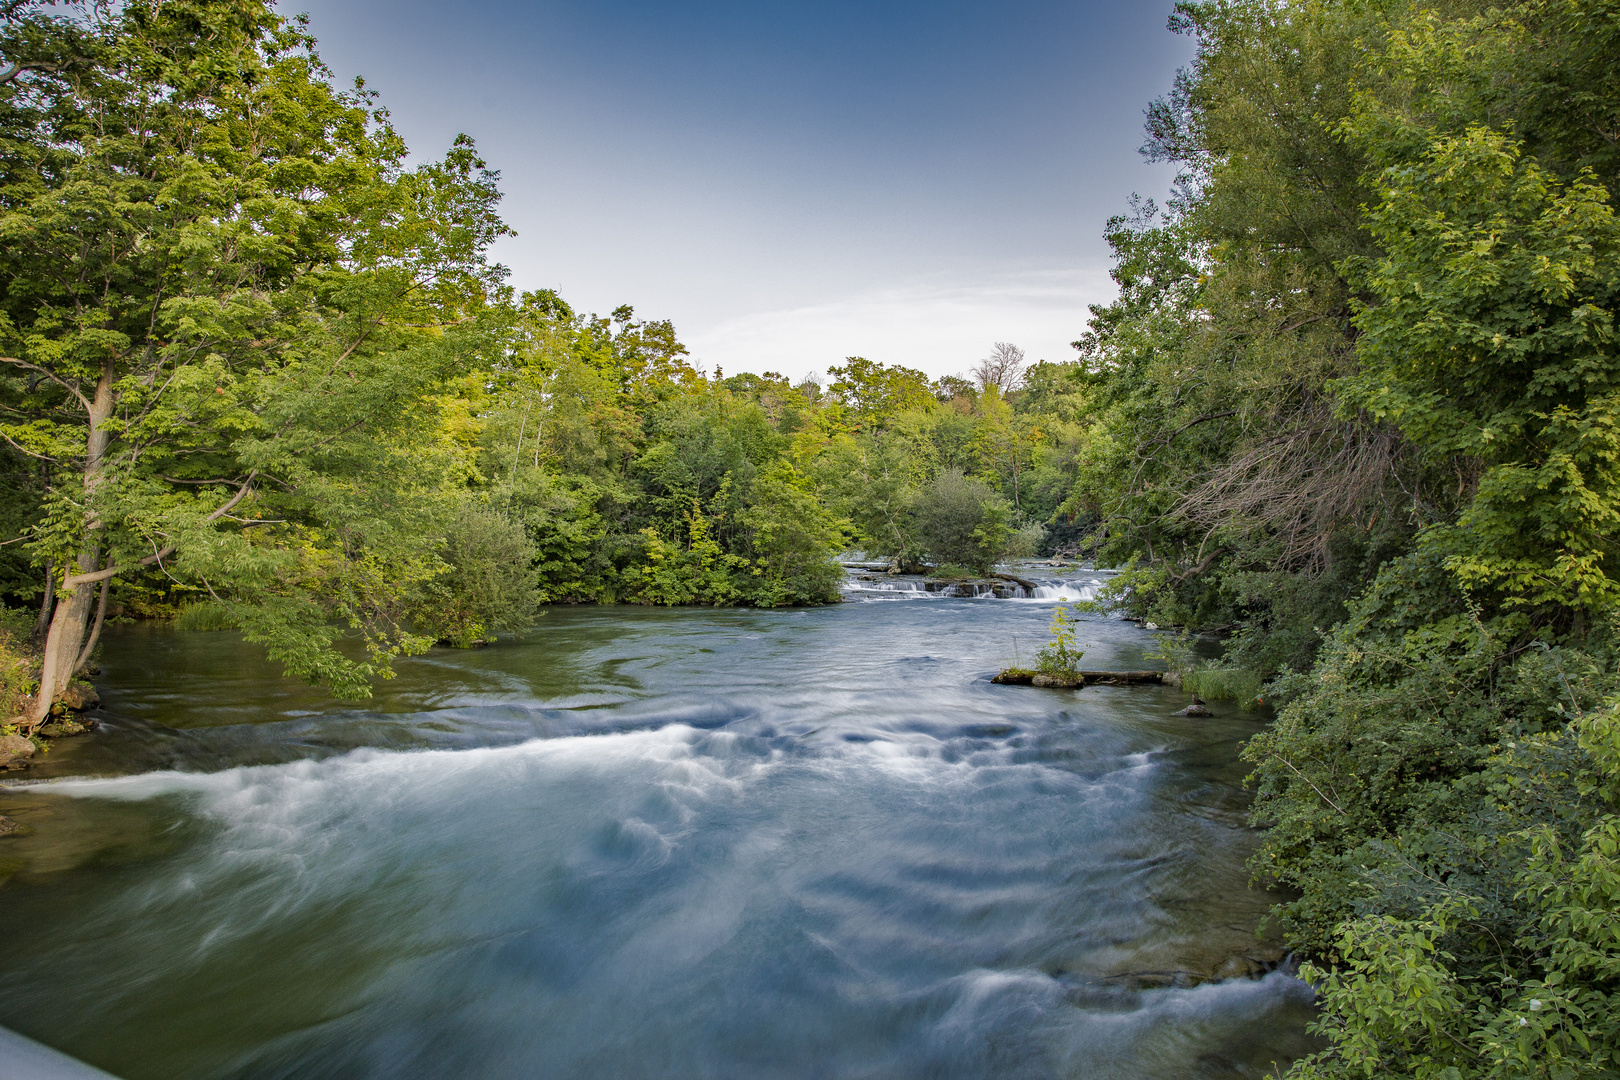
x,y
80,696
1197,708
1056,681
7,826
63,728
15,752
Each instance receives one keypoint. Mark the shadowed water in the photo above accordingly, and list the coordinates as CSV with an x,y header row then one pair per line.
x,y
645,843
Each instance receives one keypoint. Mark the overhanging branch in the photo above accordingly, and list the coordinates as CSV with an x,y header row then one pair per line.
x,y
58,380
158,556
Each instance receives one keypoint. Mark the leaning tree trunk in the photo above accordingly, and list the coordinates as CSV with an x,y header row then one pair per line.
x,y
76,599
65,640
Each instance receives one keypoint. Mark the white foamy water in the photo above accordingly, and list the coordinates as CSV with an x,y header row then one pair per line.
x,y
762,844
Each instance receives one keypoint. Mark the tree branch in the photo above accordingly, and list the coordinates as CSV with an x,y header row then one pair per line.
x,y
159,556
58,380
13,70
1194,423
23,449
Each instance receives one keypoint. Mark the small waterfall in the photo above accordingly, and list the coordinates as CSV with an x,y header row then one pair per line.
x,y
865,584
1078,589
867,587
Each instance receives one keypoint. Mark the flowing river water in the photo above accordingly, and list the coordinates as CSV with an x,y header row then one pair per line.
x,y
647,843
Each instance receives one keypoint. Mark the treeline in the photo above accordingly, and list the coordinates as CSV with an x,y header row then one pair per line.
x,y
258,371
1358,409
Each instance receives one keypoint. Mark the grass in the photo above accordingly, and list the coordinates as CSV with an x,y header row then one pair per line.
x,y
1224,684
204,615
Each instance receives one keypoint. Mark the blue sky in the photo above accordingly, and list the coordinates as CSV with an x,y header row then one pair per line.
x,y
792,183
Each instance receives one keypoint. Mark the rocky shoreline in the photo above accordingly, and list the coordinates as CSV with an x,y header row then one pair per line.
x,y
17,750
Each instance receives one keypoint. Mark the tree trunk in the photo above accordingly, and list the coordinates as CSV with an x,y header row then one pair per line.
x,y
44,622
95,629
65,640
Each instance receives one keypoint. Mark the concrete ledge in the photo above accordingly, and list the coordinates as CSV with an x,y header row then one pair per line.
x,y
24,1059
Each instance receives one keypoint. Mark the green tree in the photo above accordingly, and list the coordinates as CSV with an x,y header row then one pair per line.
x,y
489,583
870,394
222,301
963,521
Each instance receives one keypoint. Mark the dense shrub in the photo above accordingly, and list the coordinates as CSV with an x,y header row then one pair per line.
x,y
487,584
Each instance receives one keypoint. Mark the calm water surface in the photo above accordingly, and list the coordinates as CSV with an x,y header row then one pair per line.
x,y
645,843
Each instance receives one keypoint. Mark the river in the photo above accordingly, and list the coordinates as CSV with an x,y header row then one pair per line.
x,y
646,843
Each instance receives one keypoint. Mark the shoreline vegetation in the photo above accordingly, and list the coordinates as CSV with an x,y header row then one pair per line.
x,y
1355,413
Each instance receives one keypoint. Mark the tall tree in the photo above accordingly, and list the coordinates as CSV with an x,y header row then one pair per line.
x,y
222,301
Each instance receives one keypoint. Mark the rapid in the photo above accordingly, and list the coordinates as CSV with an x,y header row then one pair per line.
x,y
649,843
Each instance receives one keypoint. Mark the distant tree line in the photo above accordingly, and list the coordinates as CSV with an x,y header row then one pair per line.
x,y
258,372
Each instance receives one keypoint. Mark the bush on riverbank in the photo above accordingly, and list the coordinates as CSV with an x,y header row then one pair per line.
x,y
1357,415
19,664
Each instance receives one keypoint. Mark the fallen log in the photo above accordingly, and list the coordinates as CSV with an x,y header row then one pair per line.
x,y
1076,679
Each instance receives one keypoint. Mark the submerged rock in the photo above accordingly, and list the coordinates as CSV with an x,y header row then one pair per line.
x,y
15,752
7,826
63,728
1199,965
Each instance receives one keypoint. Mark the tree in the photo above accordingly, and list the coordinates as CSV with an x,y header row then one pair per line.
x,y
489,584
1002,369
962,521
222,301
872,394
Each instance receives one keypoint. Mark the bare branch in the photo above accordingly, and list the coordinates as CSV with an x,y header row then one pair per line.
x,y
1301,485
1003,368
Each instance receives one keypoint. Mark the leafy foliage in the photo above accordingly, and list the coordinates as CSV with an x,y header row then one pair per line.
x,y
1354,410
1059,656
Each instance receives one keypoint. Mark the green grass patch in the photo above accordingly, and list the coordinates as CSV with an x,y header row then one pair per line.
x,y
205,615
1224,684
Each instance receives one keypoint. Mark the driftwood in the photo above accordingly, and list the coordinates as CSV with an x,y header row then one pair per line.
x,y
1022,677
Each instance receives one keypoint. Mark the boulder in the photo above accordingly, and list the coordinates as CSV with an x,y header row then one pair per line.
x,y
1197,708
63,728
79,697
15,752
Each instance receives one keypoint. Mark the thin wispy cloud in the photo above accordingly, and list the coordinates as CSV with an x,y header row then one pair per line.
x,y
792,183
939,326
